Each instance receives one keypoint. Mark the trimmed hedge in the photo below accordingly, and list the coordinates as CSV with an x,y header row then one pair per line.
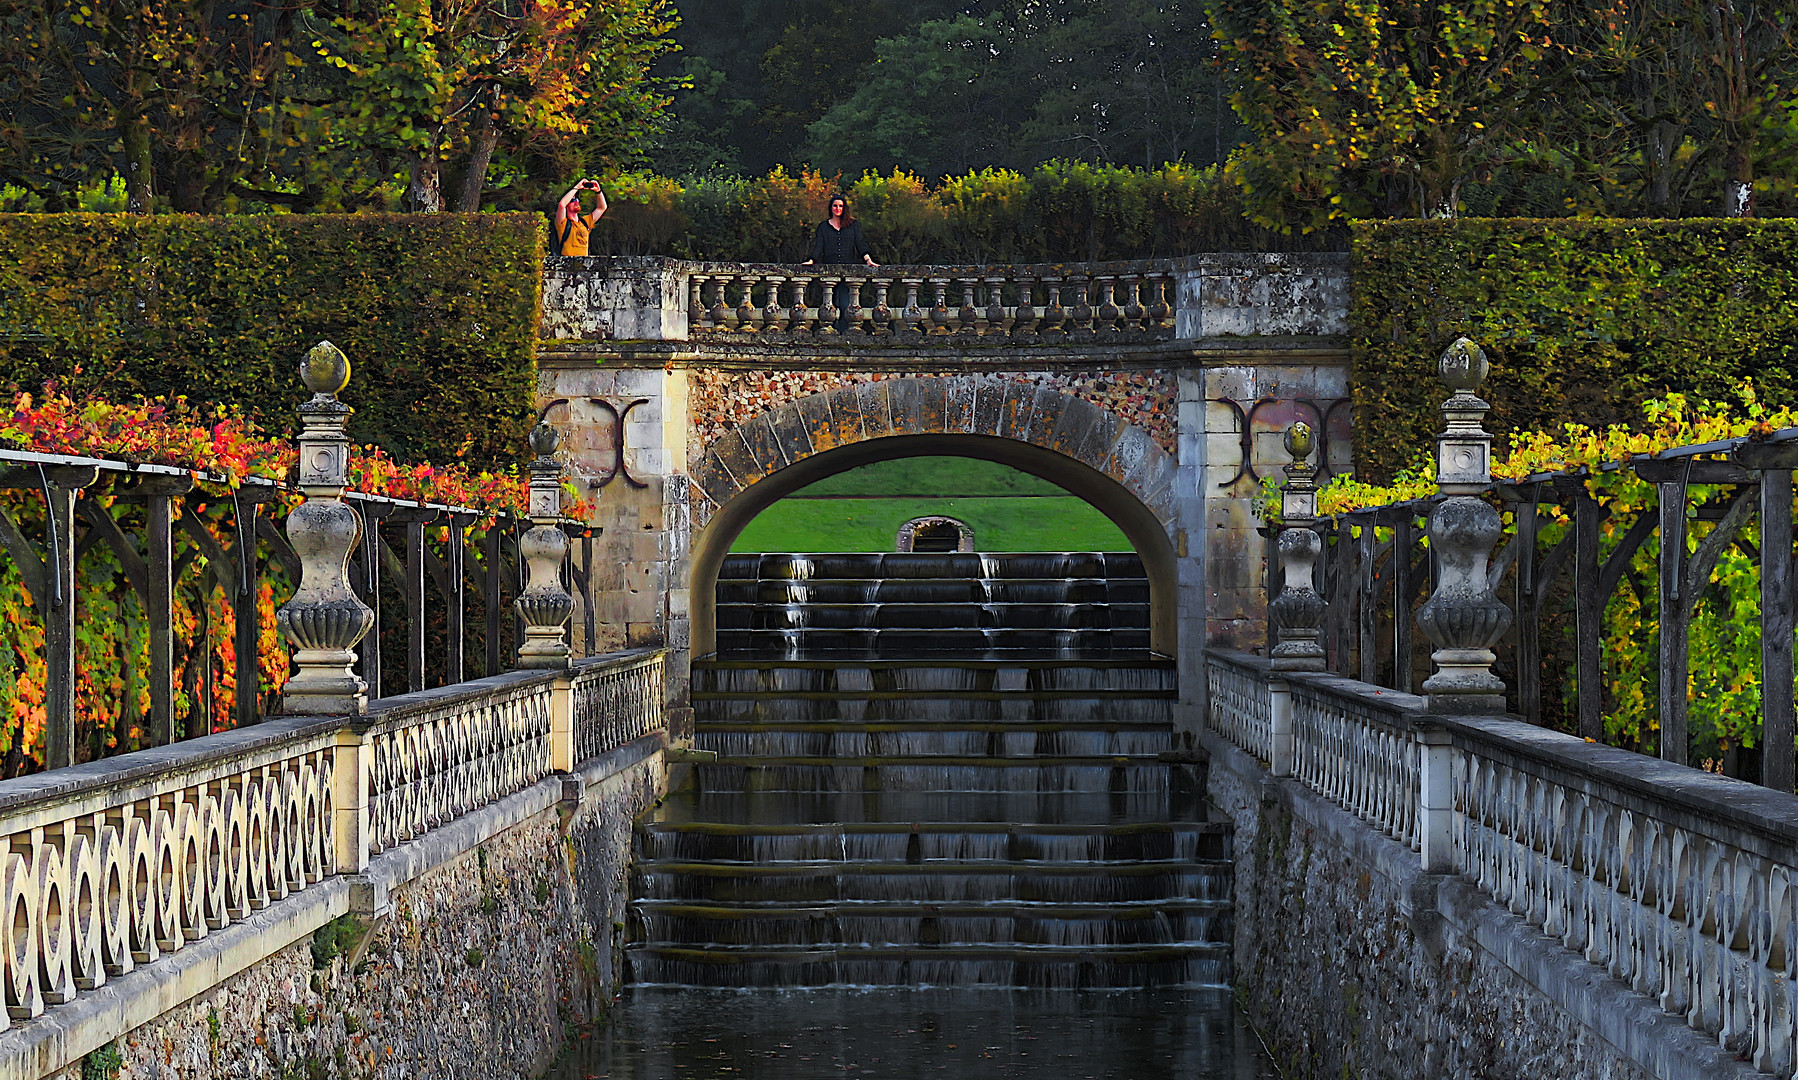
x,y
1583,319
438,314
1059,211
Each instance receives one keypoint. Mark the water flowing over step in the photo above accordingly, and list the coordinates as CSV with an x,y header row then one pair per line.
x,y
911,604
1010,819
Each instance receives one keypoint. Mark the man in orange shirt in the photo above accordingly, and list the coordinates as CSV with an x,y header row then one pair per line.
x,y
572,226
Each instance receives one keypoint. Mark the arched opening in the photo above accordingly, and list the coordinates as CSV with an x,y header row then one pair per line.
x,y
1146,533
936,533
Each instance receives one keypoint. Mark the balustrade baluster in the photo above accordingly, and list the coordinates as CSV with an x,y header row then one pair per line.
x,y
773,315
722,316
939,312
1053,314
1024,315
1133,305
1108,312
1160,310
697,316
883,315
828,313
1080,317
749,317
967,319
913,316
997,320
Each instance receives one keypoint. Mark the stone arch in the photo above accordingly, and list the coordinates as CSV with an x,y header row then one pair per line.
x,y
907,539
1089,451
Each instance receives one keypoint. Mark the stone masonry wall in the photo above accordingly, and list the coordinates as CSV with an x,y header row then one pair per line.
x,y
478,972
1352,962
724,398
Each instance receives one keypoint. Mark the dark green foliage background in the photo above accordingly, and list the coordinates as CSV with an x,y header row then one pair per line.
x,y
1582,319
438,314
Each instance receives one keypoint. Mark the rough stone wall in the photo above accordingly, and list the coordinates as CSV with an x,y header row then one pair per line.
x,y
477,973
722,399
1349,967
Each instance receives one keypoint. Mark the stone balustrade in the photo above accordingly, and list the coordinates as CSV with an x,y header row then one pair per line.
x,y
1678,883
118,864
913,302
613,298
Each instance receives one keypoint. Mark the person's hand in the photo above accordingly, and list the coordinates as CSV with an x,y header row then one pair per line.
x,y
807,262
870,261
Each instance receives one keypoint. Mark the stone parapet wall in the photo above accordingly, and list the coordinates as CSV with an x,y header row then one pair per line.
x,y
479,967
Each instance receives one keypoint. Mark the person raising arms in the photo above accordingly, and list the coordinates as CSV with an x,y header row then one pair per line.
x,y
573,228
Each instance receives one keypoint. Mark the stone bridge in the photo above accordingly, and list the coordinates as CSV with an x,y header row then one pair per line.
x,y
697,394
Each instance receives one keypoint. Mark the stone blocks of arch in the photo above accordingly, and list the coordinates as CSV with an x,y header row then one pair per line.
x,y
928,405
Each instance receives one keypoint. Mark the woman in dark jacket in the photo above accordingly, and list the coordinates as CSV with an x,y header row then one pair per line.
x,y
839,242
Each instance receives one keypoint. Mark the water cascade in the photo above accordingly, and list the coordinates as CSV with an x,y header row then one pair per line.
x,y
947,769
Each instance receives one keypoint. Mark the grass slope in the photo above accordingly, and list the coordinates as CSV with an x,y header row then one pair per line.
x,y
1027,523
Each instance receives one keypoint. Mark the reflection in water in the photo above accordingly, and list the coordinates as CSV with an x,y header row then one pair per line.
x,y
654,1034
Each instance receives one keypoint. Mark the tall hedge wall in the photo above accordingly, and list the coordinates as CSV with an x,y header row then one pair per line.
x,y
438,314
1058,211
1583,319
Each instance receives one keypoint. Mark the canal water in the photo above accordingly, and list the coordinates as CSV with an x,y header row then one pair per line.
x,y
965,1033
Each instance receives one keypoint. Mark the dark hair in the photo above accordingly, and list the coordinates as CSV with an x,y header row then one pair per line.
x,y
848,218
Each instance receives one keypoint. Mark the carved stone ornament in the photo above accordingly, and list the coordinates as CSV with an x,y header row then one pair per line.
x,y
1463,617
544,605
1299,609
324,619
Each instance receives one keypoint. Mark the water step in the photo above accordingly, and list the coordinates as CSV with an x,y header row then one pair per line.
x,y
923,773
935,614
1158,922
1020,676
990,740
933,882
1041,967
999,642
947,807
925,842
918,590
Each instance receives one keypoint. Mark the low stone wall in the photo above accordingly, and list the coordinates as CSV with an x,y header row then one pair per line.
x,y
477,968
1354,962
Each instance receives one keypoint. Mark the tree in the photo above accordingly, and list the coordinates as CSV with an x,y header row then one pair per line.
x,y
436,84
1374,107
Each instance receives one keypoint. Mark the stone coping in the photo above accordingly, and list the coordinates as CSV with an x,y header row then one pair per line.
x,y
1737,812
1295,261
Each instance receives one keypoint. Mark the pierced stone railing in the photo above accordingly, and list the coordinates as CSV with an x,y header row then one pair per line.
x,y
617,699
114,865
437,759
1240,708
1367,759
1680,884
1124,299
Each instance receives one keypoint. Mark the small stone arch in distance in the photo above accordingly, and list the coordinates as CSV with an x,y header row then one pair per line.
x,y
1086,450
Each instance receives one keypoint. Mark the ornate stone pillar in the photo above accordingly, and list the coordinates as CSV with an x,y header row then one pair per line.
x,y
1298,611
1462,617
544,605
324,620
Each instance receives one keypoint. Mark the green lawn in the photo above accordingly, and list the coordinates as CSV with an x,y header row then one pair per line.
x,y
1028,523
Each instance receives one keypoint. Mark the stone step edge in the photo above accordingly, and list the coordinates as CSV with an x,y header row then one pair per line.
x,y
978,828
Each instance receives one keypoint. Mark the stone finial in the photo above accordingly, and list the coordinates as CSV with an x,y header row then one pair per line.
x,y
544,605
1464,449
1298,611
324,619
1463,617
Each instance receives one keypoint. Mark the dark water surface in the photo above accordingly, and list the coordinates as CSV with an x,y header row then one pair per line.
x,y
704,1034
